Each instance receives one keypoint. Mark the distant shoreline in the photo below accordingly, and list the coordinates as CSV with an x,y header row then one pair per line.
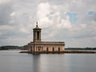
x,y
66,51
25,48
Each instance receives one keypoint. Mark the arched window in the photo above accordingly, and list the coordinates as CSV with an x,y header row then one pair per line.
x,y
42,48
37,35
53,49
39,47
59,49
47,49
31,48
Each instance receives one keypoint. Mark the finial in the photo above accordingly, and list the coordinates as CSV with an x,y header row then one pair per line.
x,y
36,24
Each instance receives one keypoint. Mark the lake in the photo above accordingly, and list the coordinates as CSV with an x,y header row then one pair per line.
x,y
13,61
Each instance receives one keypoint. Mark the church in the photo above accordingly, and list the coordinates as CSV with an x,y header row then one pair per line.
x,y
43,46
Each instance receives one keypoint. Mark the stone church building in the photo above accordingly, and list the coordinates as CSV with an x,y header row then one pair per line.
x,y
43,46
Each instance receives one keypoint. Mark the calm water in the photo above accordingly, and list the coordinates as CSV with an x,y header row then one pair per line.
x,y
12,61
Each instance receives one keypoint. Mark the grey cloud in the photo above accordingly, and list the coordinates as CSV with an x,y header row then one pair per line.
x,y
5,10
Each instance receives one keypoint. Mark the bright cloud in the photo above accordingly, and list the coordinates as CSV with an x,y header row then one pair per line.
x,y
13,13
49,15
42,14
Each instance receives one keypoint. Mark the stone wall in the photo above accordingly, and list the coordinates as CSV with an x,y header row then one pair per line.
x,y
46,46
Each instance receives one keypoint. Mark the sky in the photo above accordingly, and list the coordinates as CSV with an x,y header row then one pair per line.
x,y
71,21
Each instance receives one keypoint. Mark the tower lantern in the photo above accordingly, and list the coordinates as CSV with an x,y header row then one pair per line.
x,y
37,33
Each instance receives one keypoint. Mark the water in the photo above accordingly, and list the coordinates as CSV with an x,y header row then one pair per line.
x,y
13,61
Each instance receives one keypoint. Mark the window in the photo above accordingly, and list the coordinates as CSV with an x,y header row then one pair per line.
x,y
37,35
59,49
47,49
39,48
53,49
31,48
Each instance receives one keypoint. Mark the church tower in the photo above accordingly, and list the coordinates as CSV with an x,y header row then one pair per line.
x,y
37,33
38,46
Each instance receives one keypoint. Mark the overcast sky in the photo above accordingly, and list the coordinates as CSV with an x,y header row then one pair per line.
x,y
71,21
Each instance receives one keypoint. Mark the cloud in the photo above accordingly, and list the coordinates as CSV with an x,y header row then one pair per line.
x,y
4,1
13,13
83,25
42,14
0,33
65,24
49,16
6,27
5,10
72,21
24,30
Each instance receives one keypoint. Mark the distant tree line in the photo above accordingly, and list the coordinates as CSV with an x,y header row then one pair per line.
x,y
14,47
81,48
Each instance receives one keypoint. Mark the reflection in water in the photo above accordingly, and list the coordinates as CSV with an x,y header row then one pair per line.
x,y
11,61
36,63
63,63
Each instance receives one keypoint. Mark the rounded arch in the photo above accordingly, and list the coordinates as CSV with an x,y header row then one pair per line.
x,y
53,49
47,49
59,49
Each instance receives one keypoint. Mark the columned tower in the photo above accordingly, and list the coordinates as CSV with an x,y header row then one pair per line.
x,y
37,33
